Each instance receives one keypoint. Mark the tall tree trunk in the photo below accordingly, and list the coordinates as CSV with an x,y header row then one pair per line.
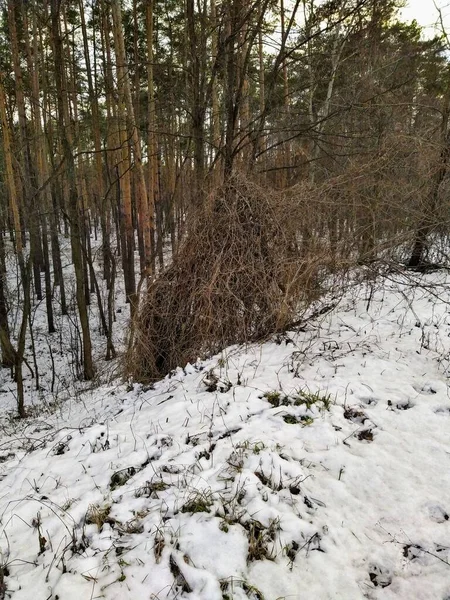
x,y
123,174
197,108
215,107
32,208
259,138
39,145
153,184
73,207
126,104
23,267
49,161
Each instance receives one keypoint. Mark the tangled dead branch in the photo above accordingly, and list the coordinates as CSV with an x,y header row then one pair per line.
x,y
240,275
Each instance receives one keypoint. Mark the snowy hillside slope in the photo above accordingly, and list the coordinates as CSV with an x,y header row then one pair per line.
x,y
315,466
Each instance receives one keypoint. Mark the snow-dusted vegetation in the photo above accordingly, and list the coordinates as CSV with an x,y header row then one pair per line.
x,y
314,465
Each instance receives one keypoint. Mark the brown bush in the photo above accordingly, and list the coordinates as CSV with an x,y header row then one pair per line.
x,y
253,257
238,276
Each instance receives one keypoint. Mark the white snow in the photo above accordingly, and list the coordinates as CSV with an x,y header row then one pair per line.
x,y
318,468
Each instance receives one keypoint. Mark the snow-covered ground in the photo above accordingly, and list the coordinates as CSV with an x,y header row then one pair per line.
x,y
312,467
57,359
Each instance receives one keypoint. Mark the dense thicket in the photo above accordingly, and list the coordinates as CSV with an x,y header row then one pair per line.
x,y
155,127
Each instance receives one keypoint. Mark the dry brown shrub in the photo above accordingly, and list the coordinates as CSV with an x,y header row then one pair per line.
x,y
238,276
253,257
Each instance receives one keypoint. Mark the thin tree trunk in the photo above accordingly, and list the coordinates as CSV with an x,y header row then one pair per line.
x,y
196,55
215,108
32,209
153,180
5,343
73,208
126,104
23,268
42,170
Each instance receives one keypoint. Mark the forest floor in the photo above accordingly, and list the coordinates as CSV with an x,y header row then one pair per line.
x,y
314,466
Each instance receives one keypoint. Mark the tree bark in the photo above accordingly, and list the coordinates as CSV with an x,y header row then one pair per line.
x,y
126,103
73,207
